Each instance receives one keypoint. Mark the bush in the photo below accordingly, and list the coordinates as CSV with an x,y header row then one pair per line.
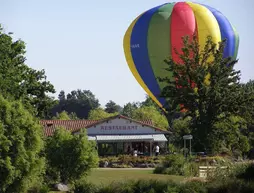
x,y
246,173
128,161
70,157
231,186
85,188
177,164
153,186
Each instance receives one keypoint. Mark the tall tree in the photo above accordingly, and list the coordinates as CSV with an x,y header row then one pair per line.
x,y
99,113
80,102
61,96
149,102
21,145
20,82
129,108
206,86
112,107
151,113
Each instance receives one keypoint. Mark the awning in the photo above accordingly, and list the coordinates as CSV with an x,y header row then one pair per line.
x,y
122,138
91,138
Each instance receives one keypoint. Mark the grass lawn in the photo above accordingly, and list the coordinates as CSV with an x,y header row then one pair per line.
x,y
107,176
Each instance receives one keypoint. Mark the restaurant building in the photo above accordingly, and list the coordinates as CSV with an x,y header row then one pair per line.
x,y
115,135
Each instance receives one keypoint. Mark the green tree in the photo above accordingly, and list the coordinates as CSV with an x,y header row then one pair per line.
x,y
206,85
20,82
80,102
248,113
227,135
21,144
149,102
99,113
112,107
65,116
62,116
151,113
70,157
180,128
129,108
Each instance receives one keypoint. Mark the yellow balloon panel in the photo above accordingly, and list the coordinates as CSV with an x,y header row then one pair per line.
x,y
130,62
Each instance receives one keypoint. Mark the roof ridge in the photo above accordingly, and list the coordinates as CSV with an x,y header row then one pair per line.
x,y
75,125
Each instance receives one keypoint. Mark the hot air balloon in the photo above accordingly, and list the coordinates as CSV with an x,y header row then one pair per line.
x,y
153,36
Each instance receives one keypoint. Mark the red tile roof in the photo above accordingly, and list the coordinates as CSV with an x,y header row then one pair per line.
x,y
76,125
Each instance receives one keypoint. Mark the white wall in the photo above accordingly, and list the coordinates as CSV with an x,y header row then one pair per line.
x,y
120,126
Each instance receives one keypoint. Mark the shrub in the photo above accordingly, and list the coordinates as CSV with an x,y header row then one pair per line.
x,y
129,161
70,157
194,187
230,186
246,172
177,164
154,186
85,187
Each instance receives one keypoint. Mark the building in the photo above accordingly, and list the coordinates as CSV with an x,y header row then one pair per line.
x,y
115,135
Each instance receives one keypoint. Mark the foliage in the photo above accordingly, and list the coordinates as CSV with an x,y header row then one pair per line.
x,y
80,102
129,109
20,82
241,171
70,157
177,164
99,113
21,144
206,87
149,102
130,161
247,172
150,112
112,107
248,114
231,184
149,186
181,127
228,134
65,116
238,179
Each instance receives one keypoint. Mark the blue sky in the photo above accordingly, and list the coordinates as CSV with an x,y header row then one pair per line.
x,y
79,42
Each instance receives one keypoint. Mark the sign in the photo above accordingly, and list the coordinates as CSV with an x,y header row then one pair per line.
x,y
187,137
119,127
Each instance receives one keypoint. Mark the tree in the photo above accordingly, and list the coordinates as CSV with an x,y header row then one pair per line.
x,y
61,96
21,144
181,127
149,102
151,113
112,107
65,116
80,102
227,135
20,82
99,113
129,108
70,157
205,86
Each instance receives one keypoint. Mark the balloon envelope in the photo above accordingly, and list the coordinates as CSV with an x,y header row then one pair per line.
x,y
153,36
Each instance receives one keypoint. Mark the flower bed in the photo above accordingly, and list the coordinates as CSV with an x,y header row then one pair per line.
x,y
126,161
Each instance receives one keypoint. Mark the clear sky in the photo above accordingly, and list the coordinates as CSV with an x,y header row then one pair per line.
x,y
79,42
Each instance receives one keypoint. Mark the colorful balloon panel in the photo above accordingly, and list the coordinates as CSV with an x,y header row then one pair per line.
x,y
153,36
